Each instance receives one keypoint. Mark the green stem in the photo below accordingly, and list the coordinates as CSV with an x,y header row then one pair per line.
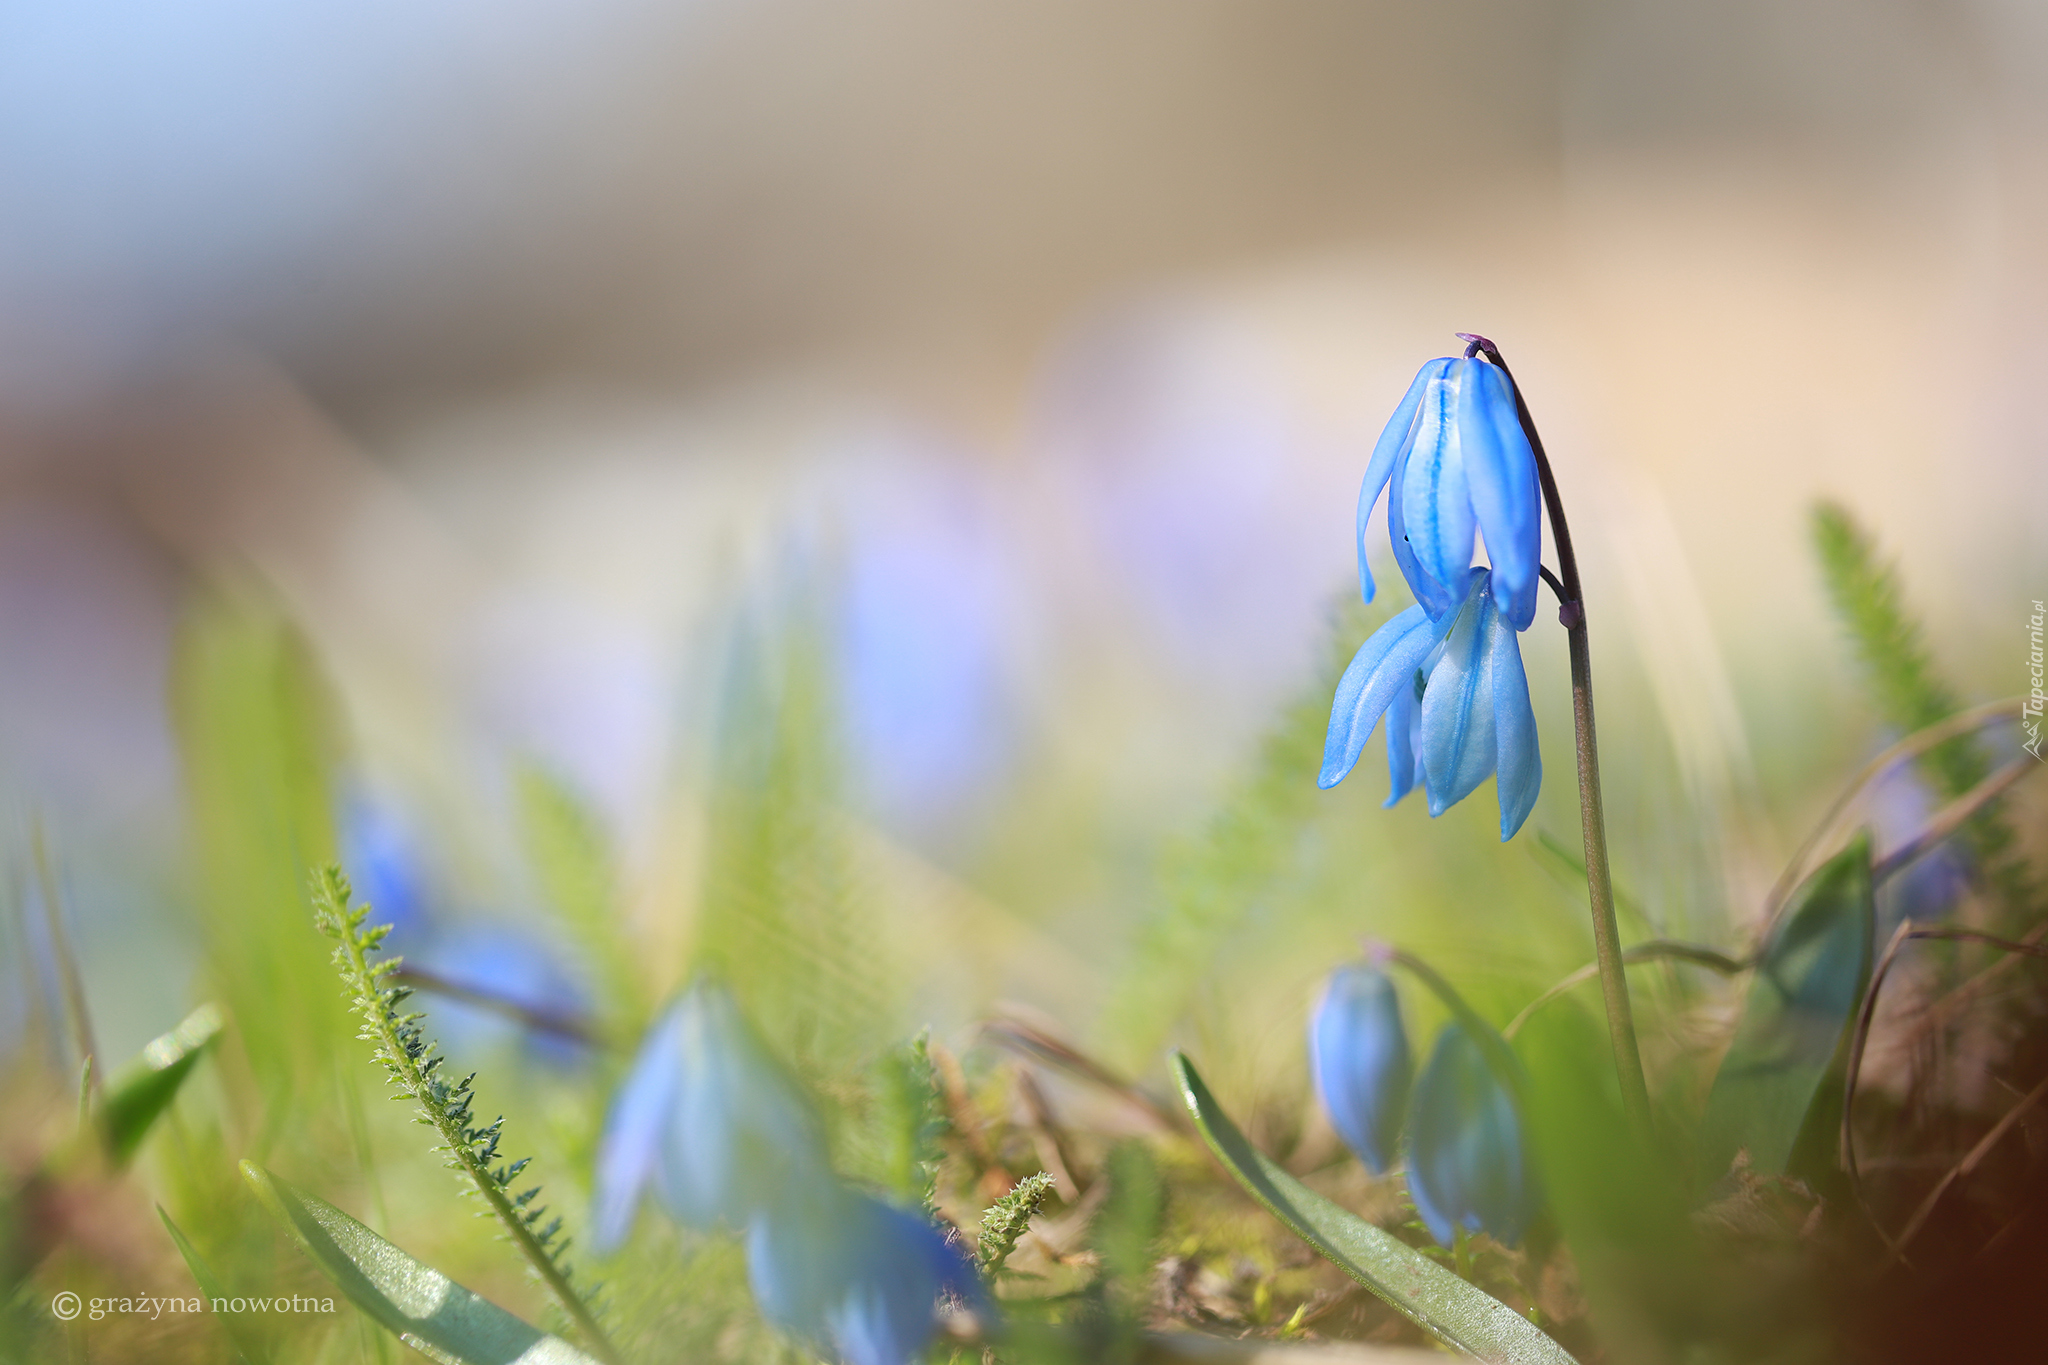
x,y
456,1142
1571,613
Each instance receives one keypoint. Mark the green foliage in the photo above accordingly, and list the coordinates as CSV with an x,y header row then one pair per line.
x,y
572,856
1907,687
909,1122
412,1064
1809,979
247,1348
1127,1229
137,1095
1904,683
255,728
1211,884
1460,1315
780,921
1007,1218
421,1306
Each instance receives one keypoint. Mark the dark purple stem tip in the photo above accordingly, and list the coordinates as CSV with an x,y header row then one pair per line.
x,y
1475,343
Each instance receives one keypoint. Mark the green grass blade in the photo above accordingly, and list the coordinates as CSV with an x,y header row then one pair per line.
x,y
247,1349
1457,1314
137,1095
424,1308
1809,979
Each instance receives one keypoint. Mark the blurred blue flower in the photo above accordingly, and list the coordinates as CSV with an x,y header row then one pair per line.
x,y
495,960
1458,463
1467,1167
386,864
711,1120
1358,1053
1457,703
854,1277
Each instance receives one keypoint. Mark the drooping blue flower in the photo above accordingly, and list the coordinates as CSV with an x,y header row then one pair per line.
x,y
1455,462
1358,1052
854,1277
709,1118
1457,705
1467,1163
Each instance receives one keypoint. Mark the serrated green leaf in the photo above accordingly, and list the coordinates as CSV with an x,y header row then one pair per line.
x,y
1458,1314
247,1348
137,1094
424,1308
1809,979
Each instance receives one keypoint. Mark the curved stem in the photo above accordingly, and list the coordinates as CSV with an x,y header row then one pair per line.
x,y
1482,1033
1621,1024
1654,950
1912,746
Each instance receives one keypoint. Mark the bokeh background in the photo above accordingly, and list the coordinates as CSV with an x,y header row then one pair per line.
x,y
533,358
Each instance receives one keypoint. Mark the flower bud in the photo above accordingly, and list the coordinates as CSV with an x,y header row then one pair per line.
x,y
1467,1161
1358,1052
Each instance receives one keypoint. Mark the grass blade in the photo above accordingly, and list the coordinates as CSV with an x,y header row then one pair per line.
x,y
424,1308
1456,1313
137,1095
247,1348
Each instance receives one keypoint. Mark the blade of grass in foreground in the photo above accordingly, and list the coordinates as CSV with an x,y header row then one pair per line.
x,y
247,1349
424,1308
1456,1313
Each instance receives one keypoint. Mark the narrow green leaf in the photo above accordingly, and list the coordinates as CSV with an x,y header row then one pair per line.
x,y
247,1348
427,1310
137,1094
1809,978
1457,1314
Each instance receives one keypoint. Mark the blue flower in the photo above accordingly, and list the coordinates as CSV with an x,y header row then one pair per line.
x,y
854,1277
1457,706
1466,1164
1458,463
711,1119
1358,1052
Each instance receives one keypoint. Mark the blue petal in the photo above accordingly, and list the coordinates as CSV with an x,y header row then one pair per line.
x,y
1358,1053
1466,1166
853,1276
798,1264
1458,742
633,1132
884,1317
1436,599
1500,472
1385,663
1436,504
1519,766
740,1134
1404,736
1394,439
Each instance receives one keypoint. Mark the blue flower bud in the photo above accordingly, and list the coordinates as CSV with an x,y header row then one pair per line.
x,y
1358,1052
854,1277
1467,1166
711,1119
1454,461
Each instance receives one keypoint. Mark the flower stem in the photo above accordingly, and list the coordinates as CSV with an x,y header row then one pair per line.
x,y
1571,614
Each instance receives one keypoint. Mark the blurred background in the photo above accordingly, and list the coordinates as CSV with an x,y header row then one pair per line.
x,y
543,364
